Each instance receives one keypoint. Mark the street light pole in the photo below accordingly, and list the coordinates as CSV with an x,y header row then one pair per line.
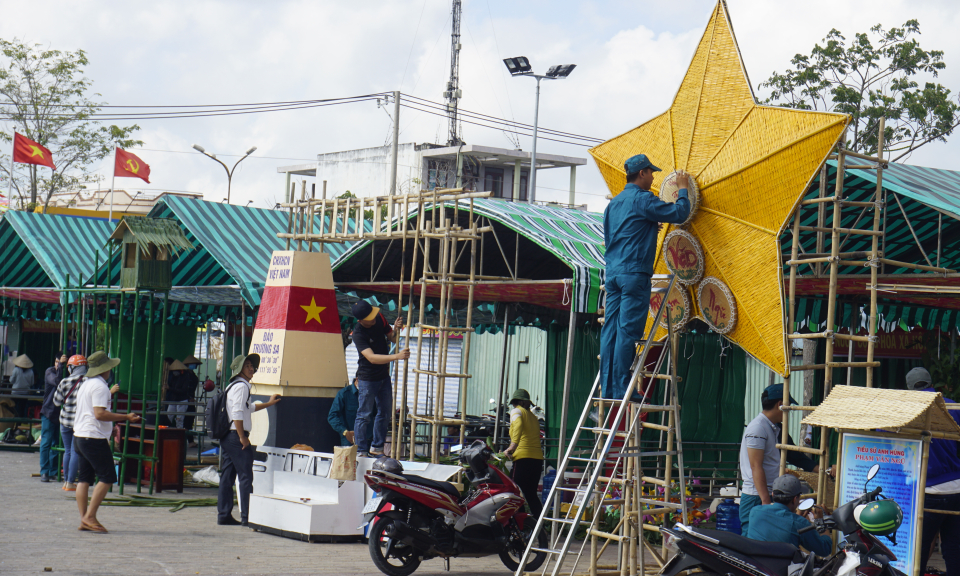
x,y
520,66
229,171
532,184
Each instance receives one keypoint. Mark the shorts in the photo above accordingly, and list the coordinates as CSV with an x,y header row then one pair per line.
x,y
96,460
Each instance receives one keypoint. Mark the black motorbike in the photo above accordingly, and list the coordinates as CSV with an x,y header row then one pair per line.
x,y
719,552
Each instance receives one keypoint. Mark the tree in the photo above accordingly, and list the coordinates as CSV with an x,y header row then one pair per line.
x,y
875,76
44,96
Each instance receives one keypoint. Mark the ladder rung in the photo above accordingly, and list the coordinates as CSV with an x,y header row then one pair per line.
x,y
547,550
659,290
643,454
607,535
655,426
564,521
574,490
605,431
582,459
659,503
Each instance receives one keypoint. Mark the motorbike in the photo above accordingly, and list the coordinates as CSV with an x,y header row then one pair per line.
x,y
861,553
416,519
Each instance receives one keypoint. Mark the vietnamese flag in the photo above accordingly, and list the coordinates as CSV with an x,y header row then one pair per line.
x,y
130,166
299,308
26,151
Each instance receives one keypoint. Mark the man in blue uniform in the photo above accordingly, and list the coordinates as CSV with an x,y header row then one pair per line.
x,y
630,225
779,521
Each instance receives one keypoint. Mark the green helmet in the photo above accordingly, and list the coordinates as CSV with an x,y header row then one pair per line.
x,y
882,517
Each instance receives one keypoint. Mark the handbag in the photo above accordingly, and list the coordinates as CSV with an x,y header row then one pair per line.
x,y
344,465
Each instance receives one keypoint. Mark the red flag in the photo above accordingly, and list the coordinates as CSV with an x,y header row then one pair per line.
x,y
131,166
26,151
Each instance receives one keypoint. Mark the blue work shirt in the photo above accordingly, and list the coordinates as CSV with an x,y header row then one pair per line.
x,y
343,411
630,228
776,523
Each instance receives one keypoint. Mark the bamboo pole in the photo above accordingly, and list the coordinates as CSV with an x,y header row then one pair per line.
x,y
406,363
874,247
156,429
469,325
791,321
441,337
133,344
416,381
915,570
143,396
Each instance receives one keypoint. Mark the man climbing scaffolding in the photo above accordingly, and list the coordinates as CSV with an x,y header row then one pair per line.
x,y
630,225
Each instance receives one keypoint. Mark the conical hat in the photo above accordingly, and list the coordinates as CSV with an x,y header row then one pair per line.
x,y
191,359
177,365
23,361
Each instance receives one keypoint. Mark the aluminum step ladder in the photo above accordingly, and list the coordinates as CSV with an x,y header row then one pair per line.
x,y
603,469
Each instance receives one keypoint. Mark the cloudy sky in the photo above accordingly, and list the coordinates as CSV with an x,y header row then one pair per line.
x,y
631,56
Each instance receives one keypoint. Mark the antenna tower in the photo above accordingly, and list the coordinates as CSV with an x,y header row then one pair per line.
x,y
453,93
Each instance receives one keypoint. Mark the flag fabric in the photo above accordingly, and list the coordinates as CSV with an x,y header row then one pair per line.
x,y
26,151
299,308
131,166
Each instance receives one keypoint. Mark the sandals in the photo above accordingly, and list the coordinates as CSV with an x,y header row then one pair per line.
x,y
86,527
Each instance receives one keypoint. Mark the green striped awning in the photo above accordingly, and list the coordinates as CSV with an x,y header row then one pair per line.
x,y
41,250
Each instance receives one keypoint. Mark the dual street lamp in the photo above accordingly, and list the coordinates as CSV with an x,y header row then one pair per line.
x,y
520,66
201,150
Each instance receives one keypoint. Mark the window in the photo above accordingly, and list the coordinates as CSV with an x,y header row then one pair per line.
x,y
493,181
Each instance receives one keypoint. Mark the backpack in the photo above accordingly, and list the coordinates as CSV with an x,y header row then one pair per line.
x,y
218,421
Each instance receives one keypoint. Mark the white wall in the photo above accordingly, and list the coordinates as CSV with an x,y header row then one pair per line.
x,y
366,172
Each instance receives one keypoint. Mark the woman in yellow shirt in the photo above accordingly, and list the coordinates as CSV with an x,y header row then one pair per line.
x,y
525,449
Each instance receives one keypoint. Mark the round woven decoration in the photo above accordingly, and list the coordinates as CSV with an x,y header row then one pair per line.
x,y
669,189
678,304
683,256
717,305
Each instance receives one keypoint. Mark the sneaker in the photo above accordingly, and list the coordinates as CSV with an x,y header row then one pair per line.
x,y
70,487
376,452
230,521
44,478
362,455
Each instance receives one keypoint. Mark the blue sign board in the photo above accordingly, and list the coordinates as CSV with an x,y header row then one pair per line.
x,y
899,475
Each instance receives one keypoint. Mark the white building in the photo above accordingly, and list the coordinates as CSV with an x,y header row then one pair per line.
x,y
366,172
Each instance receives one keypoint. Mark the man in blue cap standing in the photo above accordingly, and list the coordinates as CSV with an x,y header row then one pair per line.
x,y
630,225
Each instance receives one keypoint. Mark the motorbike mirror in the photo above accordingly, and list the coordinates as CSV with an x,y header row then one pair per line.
x,y
805,504
873,471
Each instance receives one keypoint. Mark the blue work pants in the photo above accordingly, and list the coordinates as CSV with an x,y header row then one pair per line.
x,y
376,402
49,437
625,317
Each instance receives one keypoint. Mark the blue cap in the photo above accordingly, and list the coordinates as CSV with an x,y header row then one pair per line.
x,y
637,163
775,391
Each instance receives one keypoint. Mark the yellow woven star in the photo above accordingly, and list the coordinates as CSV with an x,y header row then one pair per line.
x,y
313,311
752,164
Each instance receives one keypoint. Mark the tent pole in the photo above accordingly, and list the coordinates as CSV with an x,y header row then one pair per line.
x,y
565,400
156,429
133,347
143,395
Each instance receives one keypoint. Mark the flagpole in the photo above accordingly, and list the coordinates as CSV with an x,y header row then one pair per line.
x,y
113,179
10,189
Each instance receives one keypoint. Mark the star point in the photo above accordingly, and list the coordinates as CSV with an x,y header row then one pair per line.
x,y
313,311
752,164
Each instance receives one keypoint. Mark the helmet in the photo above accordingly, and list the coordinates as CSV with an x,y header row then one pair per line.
x,y
882,517
387,464
209,385
918,379
77,360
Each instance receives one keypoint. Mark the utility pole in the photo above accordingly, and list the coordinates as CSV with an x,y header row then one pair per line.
x,y
453,93
532,182
396,142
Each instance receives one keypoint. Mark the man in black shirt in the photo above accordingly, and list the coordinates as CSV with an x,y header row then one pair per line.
x,y
371,336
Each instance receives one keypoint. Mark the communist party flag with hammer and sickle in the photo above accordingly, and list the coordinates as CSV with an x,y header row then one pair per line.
x,y
26,151
130,166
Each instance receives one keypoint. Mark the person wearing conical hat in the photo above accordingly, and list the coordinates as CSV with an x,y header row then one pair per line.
x,y
191,384
22,377
93,425
525,450
177,397
235,447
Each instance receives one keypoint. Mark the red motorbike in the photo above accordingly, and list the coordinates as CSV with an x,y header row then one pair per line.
x,y
416,519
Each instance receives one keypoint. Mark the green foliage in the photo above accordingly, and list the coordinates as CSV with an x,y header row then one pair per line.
x,y
46,98
874,76
367,214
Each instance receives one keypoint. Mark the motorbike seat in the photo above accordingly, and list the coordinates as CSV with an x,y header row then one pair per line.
x,y
750,547
445,487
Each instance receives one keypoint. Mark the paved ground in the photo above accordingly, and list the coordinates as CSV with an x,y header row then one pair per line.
x,y
38,529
